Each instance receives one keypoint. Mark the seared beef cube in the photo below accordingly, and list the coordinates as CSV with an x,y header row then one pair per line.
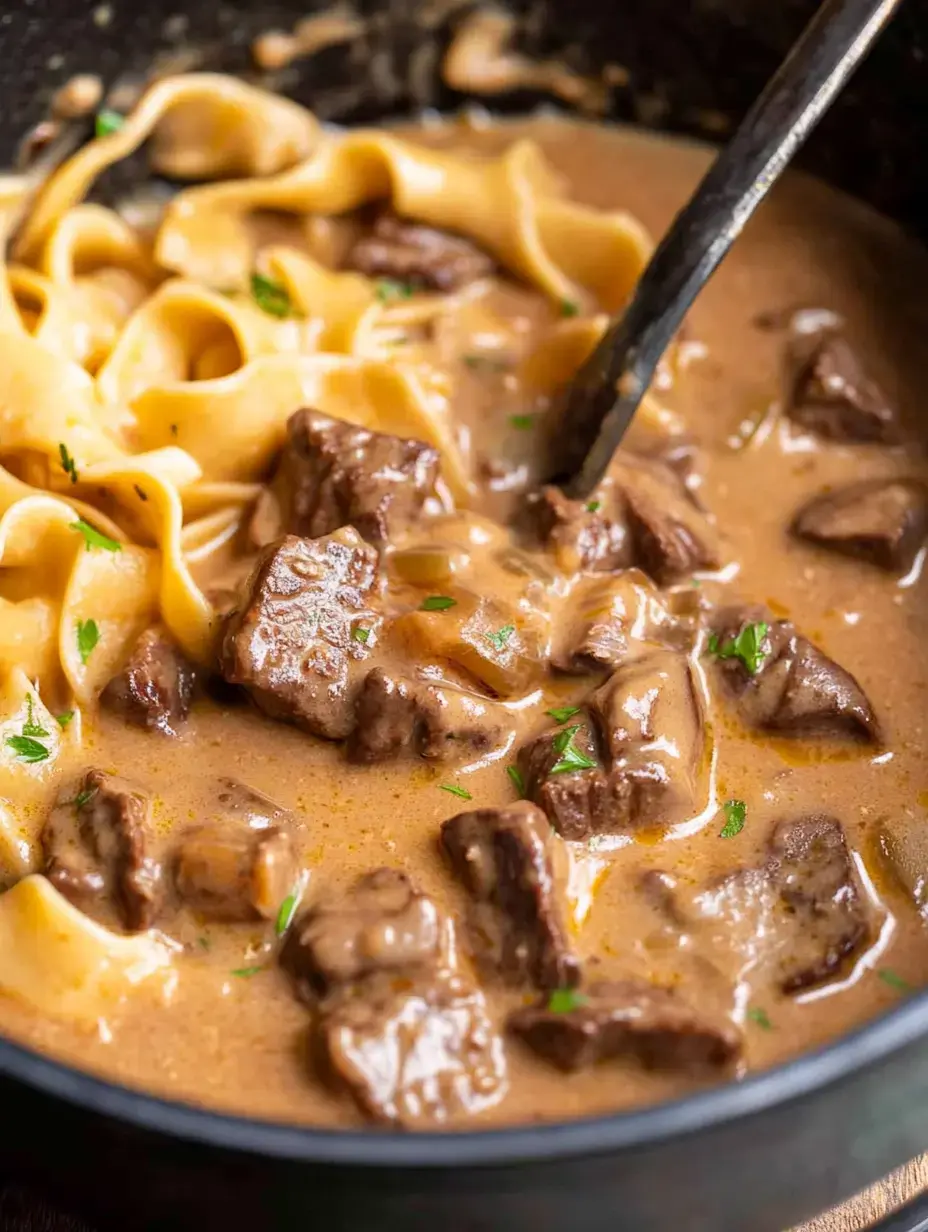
x,y
607,619
415,1053
628,1018
783,682
581,535
100,844
154,688
829,393
515,869
629,759
670,535
301,640
815,876
334,474
233,873
419,256
435,721
883,521
382,924
237,802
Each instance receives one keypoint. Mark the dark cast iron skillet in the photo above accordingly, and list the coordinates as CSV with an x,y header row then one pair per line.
x,y
756,1156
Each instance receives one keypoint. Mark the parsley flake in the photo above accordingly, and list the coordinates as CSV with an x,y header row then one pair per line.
x,y
88,634
561,714
68,465
735,814
30,727
246,973
28,748
487,363
140,492
389,290
94,538
518,782
523,422
759,1016
108,122
204,942
569,308
593,506
64,718
571,758
437,603
271,297
84,797
499,639
285,914
747,645
563,1000
454,790
894,981
361,635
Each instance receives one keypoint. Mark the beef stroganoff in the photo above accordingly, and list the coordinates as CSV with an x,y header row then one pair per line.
x,y
349,769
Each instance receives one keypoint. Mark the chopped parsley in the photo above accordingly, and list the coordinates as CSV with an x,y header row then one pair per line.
x,y
64,718
94,538
518,782
523,422
140,492
894,981
271,297
361,635
68,465
84,797
454,790
569,308
735,814
561,714
88,634
593,506
499,639
30,727
487,363
108,122
204,942
28,748
759,1016
563,1000
437,603
389,290
747,645
246,973
285,914
571,758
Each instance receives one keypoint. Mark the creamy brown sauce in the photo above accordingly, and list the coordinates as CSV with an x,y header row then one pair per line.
x,y
241,1042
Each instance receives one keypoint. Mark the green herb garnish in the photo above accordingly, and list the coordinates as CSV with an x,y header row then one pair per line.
x,y
571,758
94,538
64,718
569,308
593,506
285,914
28,748
453,788
561,714
487,363
246,973
735,814
140,492
84,797
437,603
389,290
204,942
747,645
88,634
30,727
108,122
499,639
522,422
518,782
68,465
756,1014
563,1000
894,981
271,297
361,635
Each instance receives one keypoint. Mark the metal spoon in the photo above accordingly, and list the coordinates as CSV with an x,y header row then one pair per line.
x,y
604,395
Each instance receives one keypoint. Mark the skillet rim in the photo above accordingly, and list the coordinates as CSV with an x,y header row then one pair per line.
x,y
808,1074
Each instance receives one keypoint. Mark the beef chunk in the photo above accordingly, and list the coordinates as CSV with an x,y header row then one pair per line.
x,y
333,474
795,688
436,721
98,846
828,392
607,619
301,639
382,924
883,521
514,868
154,688
420,256
229,872
414,1053
582,535
627,1018
631,757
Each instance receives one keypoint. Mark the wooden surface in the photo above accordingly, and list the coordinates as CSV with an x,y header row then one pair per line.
x,y
867,1208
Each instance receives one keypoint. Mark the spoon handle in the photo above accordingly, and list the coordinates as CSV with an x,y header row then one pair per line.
x,y
606,391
